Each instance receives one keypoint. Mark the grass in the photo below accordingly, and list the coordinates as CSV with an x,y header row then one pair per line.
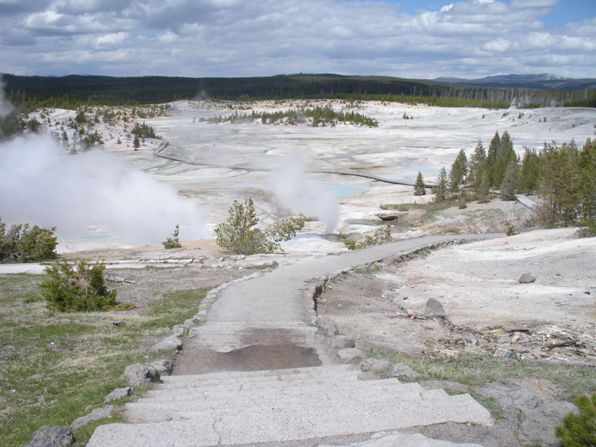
x,y
65,364
480,370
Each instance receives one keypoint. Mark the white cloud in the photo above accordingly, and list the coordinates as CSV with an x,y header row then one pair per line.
x,y
233,37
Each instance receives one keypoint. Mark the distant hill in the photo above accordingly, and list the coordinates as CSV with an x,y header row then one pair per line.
x,y
498,92
532,81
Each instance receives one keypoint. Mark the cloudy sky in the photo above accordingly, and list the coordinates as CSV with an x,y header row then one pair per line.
x,y
409,38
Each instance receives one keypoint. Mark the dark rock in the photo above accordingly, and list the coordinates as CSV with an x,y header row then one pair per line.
x,y
137,374
164,367
526,278
8,352
509,394
434,308
47,436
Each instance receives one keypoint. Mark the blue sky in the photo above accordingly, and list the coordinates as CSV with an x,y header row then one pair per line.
x,y
424,39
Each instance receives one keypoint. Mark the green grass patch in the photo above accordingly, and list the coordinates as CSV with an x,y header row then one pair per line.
x,y
480,370
57,367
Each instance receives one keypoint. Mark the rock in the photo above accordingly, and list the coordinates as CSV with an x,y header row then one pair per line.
x,y
178,330
348,355
504,353
7,353
171,343
380,367
327,326
403,370
526,278
95,415
342,342
137,374
434,309
47,436
538,425
119,393
164,367
509,394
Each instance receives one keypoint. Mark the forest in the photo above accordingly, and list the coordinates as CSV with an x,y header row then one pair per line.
x,y
71,91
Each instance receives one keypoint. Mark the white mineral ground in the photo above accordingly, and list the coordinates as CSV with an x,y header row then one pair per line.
x,y
235,160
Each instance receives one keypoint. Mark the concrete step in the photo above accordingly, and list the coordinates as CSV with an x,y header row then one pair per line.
x,y
167,405
316,400
298,421
261,375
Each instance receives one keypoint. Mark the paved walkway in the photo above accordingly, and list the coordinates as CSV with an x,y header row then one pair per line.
x,y
297,393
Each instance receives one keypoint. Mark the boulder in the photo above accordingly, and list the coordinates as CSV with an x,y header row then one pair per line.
x,y
95,415
327,326
539,424
379,367
403,370
509,394
137,374
434,309
526,278
164,367
171,343
47,436
342,342
349,355
119,393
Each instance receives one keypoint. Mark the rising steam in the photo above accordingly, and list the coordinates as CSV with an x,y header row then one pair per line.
x,y
41,184
5,106
291,188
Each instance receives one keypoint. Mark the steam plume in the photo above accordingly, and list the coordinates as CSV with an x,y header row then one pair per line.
x,y
5,106
41,184
294,191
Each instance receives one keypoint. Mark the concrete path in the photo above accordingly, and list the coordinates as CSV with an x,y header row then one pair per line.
x,y
257,372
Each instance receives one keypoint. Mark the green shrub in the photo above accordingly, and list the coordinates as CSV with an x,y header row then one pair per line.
x,y
27,244
579,429
380,236
240,234
174,240
77,288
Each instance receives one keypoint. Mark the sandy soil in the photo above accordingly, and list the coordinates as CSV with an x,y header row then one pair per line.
x,y
486,308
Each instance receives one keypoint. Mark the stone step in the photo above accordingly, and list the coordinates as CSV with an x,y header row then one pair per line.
x,y
295,422
267,374
163,409
272,396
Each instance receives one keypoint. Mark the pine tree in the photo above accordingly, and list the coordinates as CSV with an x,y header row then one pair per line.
x,y
136,142
419,189
586,164
504,155
458,172
530,172
491,159
483,186
441,188
509,181
477,162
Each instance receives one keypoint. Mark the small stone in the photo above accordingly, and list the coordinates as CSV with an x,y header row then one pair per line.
x,y
118,393
95,415
171,343
137,374
327,326
164,367
349,355
504,353
526,278
380,367
8,352
342,342
539,424
178,330
434,308
403,370
47,436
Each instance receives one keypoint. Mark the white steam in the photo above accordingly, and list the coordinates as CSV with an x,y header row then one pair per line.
x,y
41,184
291,188
5,106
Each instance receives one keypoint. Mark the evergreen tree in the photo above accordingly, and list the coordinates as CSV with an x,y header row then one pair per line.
x,y
530,172
458,172
504,155
419,189
441,188
136,142
477,163
509,181
483,186
491,158
586,164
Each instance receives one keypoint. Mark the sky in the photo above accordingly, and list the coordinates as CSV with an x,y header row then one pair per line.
x,y
404,38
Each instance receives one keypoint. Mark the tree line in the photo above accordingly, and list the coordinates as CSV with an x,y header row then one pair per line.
x,y
562,176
